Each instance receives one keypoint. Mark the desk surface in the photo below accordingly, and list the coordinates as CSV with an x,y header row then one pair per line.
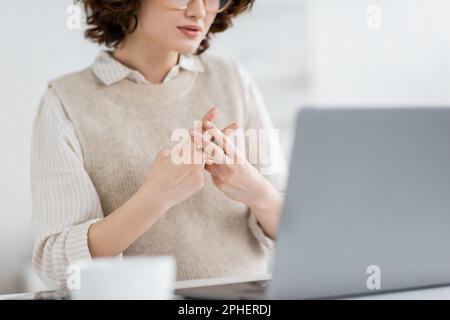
x,y
442,293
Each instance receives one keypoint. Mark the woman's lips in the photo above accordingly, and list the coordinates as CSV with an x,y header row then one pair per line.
x,y
191,33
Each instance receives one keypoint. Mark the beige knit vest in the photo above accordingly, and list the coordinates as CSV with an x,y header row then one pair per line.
x,y
122,126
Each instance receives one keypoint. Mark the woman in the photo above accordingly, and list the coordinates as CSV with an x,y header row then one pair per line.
x,y
104,182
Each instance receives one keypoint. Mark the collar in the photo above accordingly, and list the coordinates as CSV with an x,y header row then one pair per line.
x,y
109,70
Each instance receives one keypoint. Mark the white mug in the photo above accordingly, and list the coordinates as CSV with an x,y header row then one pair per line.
x,y
126,278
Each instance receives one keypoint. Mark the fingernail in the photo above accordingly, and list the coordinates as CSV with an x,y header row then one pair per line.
x,y
197,138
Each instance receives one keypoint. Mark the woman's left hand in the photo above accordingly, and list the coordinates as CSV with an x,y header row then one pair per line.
x,y
240,180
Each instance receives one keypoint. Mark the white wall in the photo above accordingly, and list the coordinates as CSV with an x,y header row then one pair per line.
x,y
406,62
37,46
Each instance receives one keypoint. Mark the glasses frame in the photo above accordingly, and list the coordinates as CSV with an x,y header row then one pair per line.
x,y
189,2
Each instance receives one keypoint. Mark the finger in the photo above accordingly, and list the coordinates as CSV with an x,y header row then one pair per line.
x,y
214,152
201,140
199,156
206,138
191,150
210,115
198,137
228,130
235,139
221,140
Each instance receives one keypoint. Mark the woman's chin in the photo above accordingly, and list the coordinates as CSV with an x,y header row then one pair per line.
x,y
187,48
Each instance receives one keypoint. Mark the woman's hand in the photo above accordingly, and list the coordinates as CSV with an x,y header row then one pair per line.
x,y
169,182
240,180
166,184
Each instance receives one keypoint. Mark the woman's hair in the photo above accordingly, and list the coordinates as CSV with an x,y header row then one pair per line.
x,y
110,21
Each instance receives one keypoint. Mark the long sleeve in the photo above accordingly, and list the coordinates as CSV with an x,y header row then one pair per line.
x,y
65,202
274,167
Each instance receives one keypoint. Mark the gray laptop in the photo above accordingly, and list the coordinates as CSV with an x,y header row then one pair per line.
x,y
367,208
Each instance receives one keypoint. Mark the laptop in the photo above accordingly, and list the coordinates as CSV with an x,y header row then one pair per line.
x,y
367,209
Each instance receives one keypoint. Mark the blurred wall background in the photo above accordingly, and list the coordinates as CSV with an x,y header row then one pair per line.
x,y
405,61
36,46
301,52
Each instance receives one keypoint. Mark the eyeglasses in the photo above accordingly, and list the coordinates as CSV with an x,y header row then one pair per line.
x,y
213,6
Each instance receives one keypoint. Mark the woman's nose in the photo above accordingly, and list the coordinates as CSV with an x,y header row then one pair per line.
x,y
196,9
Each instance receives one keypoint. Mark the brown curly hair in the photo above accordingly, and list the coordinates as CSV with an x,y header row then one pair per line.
x,y
110,21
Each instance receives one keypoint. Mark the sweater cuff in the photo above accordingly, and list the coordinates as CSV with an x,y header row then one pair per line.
x,y
258,232
77,248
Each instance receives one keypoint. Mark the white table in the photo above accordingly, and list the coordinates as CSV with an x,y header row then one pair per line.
x,y
442,293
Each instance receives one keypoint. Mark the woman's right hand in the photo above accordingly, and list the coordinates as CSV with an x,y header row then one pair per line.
x,y
166,185
168,182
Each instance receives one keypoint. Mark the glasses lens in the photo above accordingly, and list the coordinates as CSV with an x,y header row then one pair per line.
x,y
176,4
216,5
210,5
